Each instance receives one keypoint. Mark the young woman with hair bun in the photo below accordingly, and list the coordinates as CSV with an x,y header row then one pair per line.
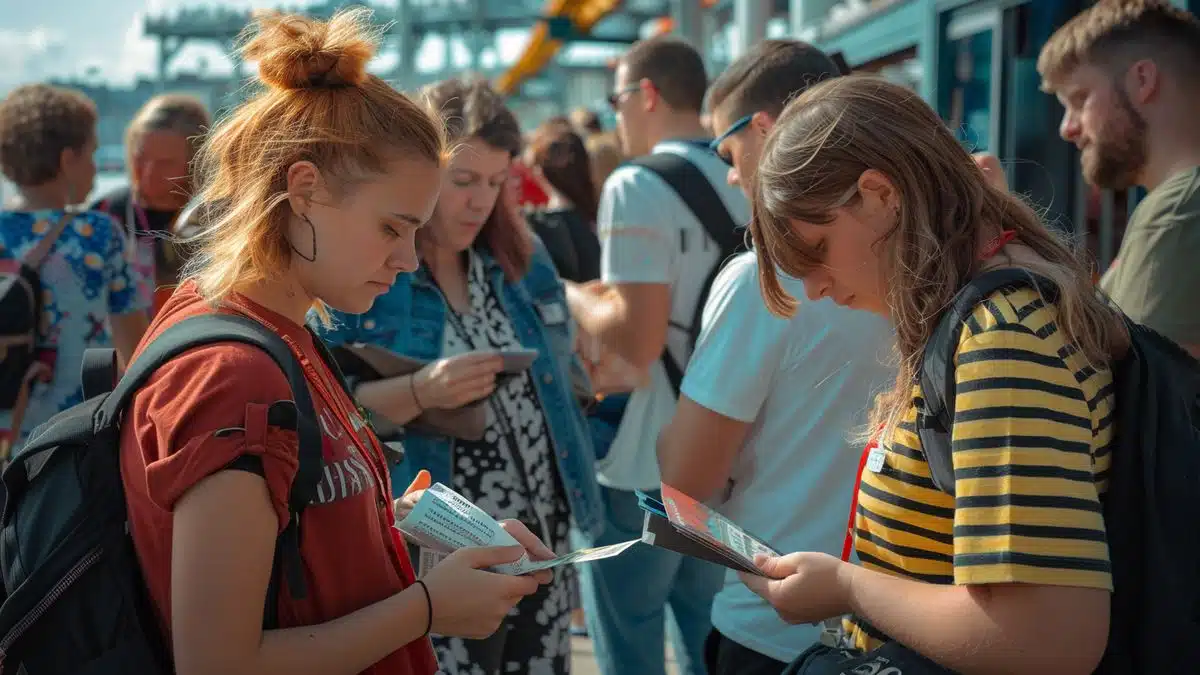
x,y
315,190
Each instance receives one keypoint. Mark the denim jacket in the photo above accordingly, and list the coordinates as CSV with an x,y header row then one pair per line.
x,y
410,319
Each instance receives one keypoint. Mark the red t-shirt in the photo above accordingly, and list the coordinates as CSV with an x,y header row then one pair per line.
x,y
170,441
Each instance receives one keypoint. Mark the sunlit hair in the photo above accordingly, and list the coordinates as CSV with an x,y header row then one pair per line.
x,y
174,113
811,164
319,105
1113,34
472,109
563,159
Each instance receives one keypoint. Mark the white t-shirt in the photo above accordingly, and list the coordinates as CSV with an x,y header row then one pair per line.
x,y
805,384
649,235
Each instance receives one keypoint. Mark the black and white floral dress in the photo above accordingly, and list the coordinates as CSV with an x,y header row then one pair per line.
x,y
510,473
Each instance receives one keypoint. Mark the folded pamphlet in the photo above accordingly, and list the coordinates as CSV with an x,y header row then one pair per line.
x,y
684,525
444,521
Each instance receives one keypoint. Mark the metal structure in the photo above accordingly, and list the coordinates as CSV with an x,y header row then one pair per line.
x,y
410,22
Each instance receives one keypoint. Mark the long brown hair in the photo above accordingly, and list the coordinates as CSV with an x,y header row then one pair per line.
x,y
472,109
319,105
563,159
811,164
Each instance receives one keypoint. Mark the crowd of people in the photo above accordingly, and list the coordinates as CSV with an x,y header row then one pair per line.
x,y
735,294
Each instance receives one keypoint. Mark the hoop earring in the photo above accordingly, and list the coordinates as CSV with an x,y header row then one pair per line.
x,y
313,230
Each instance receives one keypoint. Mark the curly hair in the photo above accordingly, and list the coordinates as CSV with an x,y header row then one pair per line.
x,y
38,122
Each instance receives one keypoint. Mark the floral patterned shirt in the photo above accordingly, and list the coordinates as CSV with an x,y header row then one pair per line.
x,y
85,278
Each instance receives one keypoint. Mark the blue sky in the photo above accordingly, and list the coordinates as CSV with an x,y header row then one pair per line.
x,y
57,38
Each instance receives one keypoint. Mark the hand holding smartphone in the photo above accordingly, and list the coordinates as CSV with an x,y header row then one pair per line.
x,y
516,361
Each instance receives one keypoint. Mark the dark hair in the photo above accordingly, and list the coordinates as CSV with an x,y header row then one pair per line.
x,y
1113,34
38,122
563,158
472,109
587,120
675,68
767,76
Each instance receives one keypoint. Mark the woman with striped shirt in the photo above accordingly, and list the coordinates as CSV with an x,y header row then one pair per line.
x,y
864,193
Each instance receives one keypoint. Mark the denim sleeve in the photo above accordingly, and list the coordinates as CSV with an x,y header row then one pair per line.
x,y
342,328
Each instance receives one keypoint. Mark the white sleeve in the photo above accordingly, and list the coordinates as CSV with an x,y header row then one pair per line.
x,y
637,239
740,348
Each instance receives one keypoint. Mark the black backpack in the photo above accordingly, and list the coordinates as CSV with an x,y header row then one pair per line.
x,y
694,188
21,328
1150,508
75,601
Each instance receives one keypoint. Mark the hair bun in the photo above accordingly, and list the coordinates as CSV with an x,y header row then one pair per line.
x,y
297,52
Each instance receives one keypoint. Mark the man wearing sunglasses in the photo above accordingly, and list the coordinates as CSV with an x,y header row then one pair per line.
x,y
767,403
658,258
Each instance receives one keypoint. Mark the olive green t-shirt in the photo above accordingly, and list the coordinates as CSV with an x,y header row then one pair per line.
x,y
1156,277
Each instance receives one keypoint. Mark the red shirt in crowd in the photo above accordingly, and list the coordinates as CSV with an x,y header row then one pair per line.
x,y
352,554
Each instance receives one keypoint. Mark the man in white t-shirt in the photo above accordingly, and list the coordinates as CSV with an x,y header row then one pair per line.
x,y
768,404
656,260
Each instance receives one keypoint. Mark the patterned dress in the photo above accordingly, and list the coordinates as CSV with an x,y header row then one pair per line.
x,y
511,473
86,278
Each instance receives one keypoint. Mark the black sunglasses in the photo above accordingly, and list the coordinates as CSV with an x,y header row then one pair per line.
x,y
737,126
614,99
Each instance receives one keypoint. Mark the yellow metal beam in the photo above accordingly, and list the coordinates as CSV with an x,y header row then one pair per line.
x,y
584,15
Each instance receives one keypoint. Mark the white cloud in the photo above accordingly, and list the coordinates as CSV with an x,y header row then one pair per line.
x,y
138,54
30,55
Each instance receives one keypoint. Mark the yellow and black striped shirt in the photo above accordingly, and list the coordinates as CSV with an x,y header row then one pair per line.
x,y
1032,429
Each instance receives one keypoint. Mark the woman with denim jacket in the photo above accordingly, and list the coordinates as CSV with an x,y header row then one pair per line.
x,y
487,285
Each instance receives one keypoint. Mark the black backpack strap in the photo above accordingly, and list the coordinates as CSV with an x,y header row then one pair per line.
x,y
935,415
331,362
697,192
216,328
99,374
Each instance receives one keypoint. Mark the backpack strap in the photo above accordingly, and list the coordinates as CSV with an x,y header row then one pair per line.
x,y
33,259
697,192
216,328
100,372
935,415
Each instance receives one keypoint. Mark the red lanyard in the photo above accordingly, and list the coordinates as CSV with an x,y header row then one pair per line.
x,y
848,545
1000,241
334,403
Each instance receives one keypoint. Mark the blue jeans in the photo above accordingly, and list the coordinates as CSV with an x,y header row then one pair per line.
x,y
626,597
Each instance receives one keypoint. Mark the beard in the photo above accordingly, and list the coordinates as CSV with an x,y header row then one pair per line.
x,y
1118,152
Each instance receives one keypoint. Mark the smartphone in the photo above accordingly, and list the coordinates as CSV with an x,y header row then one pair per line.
x,y
517,361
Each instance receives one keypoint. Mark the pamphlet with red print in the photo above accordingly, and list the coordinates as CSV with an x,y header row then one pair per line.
x,y
686,526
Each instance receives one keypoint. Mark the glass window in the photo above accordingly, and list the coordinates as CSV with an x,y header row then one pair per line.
x,y
903,68
970,110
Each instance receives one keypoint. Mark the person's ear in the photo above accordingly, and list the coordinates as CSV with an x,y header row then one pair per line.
x,y
1143,82
303,184
763,122
878,192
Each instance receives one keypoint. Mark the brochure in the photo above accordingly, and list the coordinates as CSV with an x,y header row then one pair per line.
x,y
686,526
444,521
